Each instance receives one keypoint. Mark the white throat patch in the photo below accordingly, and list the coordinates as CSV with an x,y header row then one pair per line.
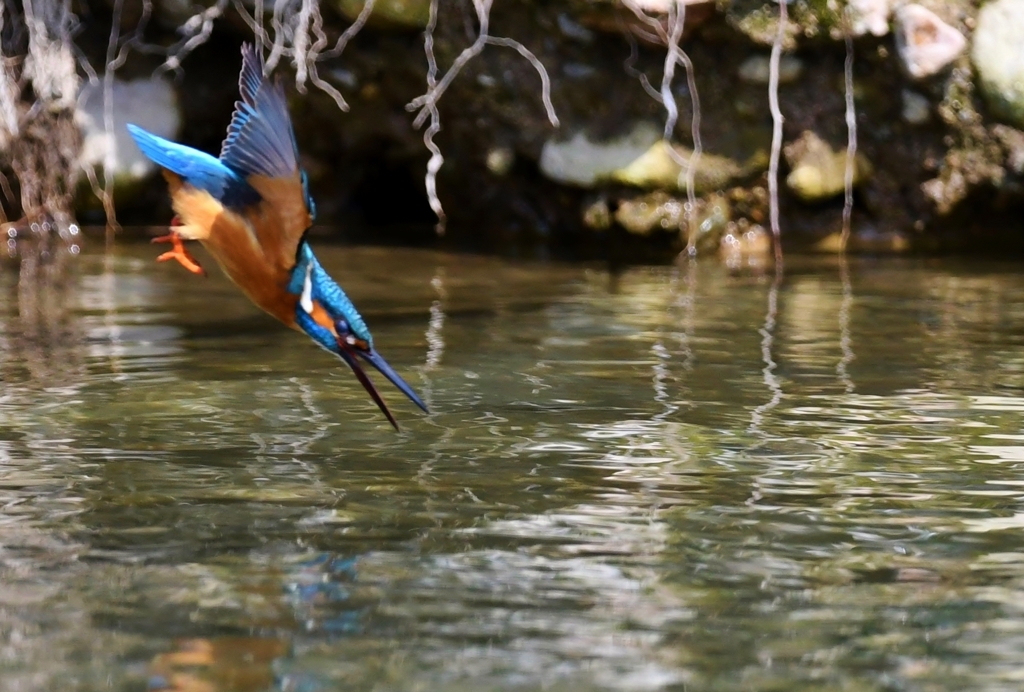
x,y
306,299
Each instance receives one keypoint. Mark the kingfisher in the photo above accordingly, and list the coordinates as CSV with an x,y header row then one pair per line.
x,y
251,209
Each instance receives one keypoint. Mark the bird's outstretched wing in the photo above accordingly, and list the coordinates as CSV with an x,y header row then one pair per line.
x,y
260,140
260,147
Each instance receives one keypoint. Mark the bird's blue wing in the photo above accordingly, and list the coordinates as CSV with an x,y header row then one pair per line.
x,y
196,168
251,76
260,139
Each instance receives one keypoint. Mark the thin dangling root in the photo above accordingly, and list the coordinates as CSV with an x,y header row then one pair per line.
x,y
777,119
851,140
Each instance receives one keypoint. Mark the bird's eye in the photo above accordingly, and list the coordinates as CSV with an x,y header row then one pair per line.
x,y
345,332
310,204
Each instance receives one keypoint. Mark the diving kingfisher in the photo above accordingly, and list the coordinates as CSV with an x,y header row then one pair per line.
x,y
251,208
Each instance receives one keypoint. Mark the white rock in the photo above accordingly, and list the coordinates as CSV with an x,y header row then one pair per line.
x,y
926,44
916,108
757,68
500,160
869,17
998,55
663,6
149,103
581,162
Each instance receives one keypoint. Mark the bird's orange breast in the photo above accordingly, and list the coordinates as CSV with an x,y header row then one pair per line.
x,y
233,244
255,248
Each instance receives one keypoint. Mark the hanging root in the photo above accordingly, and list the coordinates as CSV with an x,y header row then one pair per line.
x,y
777,119
10,90
436,159
39,141
425,106
691,170
297,32
676,20
306,55
195,32
851,137
674,55
117,54
315,54
630,64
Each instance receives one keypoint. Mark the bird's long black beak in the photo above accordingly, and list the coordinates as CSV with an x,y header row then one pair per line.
x,y
373,358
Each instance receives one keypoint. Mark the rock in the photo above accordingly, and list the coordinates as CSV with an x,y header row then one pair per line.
x,y
818,172
926,44
655,6
572,30
643,214
745,246
712,218
868,240
583,163
869,17
409,14
999,59
756,69
917,110
664,166
597,216
610,16
946,190
648,6
500,160
661,211
149,103
1013,146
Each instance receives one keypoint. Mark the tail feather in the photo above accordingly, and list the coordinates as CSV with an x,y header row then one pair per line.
x,y
196,168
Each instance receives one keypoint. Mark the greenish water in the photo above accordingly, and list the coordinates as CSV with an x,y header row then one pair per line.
x,y
646,481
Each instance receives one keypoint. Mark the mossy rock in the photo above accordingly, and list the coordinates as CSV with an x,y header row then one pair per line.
x,y
819,172
665,166
999,59
408,14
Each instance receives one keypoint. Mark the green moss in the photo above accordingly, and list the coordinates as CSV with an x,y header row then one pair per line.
x,y
400,13
809,19
661,166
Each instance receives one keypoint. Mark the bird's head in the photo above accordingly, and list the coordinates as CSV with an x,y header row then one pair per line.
x,y
327,315
350,347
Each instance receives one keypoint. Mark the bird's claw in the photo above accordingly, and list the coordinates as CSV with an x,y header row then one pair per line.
x,y
178,252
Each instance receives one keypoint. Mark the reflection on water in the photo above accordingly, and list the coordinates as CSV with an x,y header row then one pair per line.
x,y
672,478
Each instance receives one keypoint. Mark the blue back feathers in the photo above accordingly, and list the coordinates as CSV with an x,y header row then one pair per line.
x,y
260,141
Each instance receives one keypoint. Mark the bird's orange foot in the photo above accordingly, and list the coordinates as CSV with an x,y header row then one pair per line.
x,y
178,252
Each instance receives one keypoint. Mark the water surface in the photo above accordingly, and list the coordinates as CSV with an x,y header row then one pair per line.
x,y
664,479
